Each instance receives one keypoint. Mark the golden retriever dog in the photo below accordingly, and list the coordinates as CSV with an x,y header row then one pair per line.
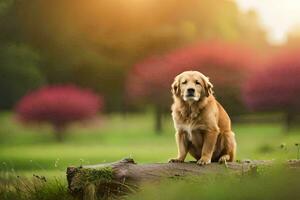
x,y
203,128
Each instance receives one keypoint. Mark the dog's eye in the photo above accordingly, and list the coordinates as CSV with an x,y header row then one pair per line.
x,y
184,82
197,83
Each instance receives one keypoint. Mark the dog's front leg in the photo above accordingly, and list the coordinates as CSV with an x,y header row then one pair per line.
x,y
210,139
182,146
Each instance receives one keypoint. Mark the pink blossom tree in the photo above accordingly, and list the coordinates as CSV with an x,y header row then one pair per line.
x,y
277,88
59,106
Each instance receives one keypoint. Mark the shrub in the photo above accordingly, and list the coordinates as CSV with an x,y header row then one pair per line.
x,y
59,106
227,65
277,88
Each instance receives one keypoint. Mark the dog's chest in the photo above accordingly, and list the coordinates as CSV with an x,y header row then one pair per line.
x,y
188,128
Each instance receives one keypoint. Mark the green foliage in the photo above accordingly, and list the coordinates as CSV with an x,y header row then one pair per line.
x,y
19,72
4,6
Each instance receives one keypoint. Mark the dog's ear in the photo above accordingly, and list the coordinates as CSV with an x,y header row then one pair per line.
x,y
175,88
208,86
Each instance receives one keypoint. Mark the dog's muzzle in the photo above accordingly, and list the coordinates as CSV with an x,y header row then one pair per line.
x,y
190,95
190,92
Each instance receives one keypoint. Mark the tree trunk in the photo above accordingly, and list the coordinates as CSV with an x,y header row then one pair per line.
x,y
158,119
59,131
288,121
120,178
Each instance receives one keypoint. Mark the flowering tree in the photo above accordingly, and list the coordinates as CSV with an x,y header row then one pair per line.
x,y
150,82
227,65
59,106
277,88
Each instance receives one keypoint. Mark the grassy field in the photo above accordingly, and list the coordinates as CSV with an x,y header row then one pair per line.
x,y
26,151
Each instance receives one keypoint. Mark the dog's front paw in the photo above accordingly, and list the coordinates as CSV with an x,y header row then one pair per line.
x,y
175,160
203,161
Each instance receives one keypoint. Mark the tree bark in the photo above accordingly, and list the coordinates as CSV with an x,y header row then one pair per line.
x,y
119,178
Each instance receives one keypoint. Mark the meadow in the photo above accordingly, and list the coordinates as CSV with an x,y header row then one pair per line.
x,y
64,61
27,151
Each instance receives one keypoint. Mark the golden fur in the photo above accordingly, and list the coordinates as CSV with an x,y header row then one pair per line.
x,y
203,128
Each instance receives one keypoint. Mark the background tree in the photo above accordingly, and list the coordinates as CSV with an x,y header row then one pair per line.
x,y
149,83
277,88
19,73
227,65
59,106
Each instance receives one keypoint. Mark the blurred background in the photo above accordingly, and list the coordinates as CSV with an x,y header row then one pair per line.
x,y
83,82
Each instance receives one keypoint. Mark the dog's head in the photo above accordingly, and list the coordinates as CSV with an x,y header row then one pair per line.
x,y
191,86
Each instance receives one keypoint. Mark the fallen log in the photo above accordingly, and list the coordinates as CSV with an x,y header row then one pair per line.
x,y
122,177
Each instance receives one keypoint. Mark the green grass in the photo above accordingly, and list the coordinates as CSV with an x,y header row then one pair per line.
x,y
36,188
277,184
27,150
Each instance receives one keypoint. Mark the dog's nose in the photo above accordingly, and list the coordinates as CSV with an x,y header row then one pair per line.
x,y
191,90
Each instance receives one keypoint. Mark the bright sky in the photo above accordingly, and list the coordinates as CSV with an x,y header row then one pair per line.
x,y
277,16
